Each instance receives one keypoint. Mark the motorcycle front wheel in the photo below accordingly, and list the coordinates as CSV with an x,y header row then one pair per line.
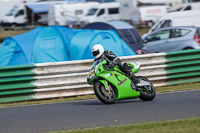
x,y
106,96
147,92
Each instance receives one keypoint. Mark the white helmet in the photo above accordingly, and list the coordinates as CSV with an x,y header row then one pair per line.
x,y
97,50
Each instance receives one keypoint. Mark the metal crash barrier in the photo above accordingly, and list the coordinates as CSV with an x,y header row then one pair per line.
x,y
68,78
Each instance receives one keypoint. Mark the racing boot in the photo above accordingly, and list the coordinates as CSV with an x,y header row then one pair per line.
x,y
126,68
134,78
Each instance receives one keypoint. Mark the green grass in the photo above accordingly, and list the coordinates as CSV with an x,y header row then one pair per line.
x,y
176,126
9,33
142,31
182,87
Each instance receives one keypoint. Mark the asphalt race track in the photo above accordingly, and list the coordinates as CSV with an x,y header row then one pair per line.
x,y
92,113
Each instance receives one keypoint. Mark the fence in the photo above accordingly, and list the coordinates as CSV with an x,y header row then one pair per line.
x,y
64,79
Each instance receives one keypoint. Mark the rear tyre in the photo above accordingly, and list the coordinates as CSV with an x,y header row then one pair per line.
x,y
150,24
147,93
105,96
13,26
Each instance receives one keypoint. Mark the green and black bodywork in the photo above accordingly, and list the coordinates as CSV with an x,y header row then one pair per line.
x,y
112,84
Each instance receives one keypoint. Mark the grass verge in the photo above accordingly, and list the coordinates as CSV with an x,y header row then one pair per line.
x,y
183,87
4,34
142,31
175,126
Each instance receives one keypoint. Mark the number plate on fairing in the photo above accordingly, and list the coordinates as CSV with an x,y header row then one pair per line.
x,y
92,74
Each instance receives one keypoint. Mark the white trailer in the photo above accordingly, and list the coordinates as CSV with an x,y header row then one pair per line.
x,y
66,14
141,15
151,14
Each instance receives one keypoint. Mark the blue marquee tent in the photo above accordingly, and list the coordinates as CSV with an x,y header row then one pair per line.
x,y
53,44
126,31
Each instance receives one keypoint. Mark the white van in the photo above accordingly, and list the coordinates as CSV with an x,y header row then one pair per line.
x,y
65,14
182,18
186,7
102,13
16,16
6,6
27,13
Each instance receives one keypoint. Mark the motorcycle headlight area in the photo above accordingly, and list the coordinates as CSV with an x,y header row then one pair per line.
x,y
92,74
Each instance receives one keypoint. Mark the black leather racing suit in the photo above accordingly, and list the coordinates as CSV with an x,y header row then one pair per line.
x,y
114,60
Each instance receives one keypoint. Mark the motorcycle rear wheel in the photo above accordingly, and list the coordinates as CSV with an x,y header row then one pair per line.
x,y
105,96
147,93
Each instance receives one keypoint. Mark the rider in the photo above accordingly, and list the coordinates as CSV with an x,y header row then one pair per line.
x,y
99,53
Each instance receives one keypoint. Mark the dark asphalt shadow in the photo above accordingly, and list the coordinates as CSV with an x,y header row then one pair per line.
x,y
98,102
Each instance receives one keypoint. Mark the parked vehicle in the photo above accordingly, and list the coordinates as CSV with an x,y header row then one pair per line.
x,y
102,13
172,39
149,15
186,7
27,14
111,84
182,18
6,6
161,2
66,14
141,15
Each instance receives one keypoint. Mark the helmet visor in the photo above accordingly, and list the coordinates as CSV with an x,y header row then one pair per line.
x,y
95,53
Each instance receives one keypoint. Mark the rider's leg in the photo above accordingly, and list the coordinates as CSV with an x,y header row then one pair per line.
x,y
126,68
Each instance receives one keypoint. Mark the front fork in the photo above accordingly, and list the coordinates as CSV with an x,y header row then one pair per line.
x,y
105,83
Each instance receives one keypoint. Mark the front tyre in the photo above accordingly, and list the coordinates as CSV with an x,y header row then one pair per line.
x,y
147,92
106,96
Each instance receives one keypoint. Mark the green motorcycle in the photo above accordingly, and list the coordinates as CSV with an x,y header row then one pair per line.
x,y
111,84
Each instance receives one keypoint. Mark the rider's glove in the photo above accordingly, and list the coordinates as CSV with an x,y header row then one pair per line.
x,y
111,65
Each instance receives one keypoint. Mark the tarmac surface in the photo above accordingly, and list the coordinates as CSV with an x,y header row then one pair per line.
x,y
93,113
